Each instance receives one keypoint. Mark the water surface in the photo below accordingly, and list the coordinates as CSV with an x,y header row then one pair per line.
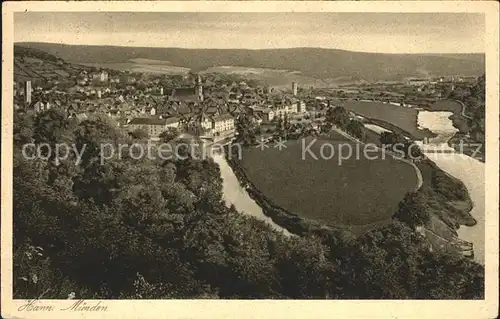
x,y
234,194
469,170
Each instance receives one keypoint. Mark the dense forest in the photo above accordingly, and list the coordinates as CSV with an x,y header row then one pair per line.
x,y
160,229
476,106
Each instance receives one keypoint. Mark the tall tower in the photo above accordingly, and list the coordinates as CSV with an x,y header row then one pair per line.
x,y
199,88
27,92
294,88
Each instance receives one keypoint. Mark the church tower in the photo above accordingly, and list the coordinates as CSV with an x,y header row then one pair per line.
x,y
27,92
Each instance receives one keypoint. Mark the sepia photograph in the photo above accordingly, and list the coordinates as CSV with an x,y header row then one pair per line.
x,y
248,153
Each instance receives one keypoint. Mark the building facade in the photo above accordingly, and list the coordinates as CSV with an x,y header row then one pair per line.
x,y
223,124
267,115
301,107
101,76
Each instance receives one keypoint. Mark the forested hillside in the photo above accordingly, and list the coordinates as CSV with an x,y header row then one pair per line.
x,y
159,229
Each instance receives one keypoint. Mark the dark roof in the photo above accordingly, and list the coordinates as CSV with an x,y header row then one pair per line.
x,y
147,121
171,120
183,109
211,110
34,103
184,91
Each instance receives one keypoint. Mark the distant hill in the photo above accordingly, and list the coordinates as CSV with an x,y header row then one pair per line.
x,y
311,62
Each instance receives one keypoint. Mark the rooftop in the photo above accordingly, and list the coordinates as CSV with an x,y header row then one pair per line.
x,y
147,121
171,120
223,117
183,94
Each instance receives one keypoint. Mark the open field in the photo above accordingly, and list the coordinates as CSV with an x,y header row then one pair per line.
x,y
399,116
150,61
142,67
279,78
358,192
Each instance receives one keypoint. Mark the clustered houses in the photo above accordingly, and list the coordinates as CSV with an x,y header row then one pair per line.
x,y
101,76
186,109
143,101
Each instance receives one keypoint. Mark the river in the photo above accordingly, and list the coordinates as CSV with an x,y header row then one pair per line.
x,y
234,194
469,170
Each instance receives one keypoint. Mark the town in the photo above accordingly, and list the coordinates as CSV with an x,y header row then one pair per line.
x,y
200,107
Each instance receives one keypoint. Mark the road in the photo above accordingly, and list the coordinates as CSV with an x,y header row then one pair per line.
x,y
463,109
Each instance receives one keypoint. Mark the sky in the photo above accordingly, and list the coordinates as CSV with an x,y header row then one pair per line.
x,y
365,32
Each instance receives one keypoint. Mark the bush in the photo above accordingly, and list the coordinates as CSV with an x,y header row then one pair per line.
x,y
413,210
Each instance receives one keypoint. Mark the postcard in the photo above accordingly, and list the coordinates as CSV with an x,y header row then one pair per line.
x,y
226,159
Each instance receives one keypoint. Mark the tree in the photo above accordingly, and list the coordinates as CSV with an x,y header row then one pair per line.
x,y
303,268
390,138
139,134
141,86
52,127
125,224
337,116
355,128
169,134
413,210
245,130
23,129
412,150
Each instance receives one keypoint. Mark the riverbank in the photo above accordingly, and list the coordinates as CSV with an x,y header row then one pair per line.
x,y
396,118
459,140
470,171
234,194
